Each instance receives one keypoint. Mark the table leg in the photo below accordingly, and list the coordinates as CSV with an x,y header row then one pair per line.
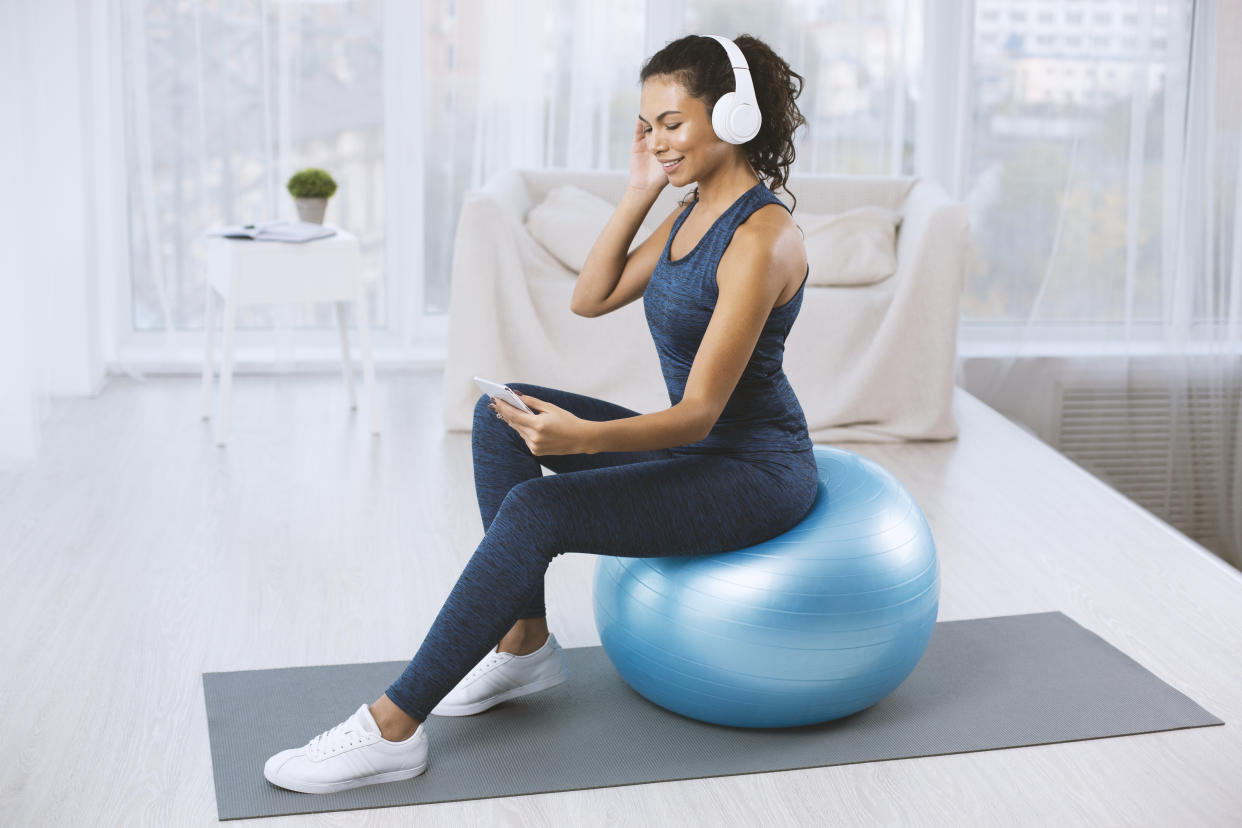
x,y
345,361
209,330
368,367
226,370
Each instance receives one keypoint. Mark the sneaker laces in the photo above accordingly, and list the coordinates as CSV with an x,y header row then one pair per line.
x,y
486,664
346,734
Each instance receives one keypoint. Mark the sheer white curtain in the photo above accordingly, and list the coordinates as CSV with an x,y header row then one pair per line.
x,y
546,83
861,63
555,83
1107,265
224,101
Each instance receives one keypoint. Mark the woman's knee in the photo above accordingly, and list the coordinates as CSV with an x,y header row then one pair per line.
x,y
525,526
520,500
533,503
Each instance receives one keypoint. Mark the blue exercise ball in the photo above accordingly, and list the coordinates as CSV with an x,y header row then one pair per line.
x,y
817,623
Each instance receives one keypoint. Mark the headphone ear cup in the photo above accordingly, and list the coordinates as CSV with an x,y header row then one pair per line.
x,y
744,121
735,123
721,117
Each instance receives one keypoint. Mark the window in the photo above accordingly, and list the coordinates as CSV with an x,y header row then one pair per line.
x,y
860,61
211,147
1048,130
1052,135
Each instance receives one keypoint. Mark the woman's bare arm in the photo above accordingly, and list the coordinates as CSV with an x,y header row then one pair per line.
x,y
610,278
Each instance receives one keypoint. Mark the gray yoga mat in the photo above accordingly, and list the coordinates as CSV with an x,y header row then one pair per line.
x,y
983,684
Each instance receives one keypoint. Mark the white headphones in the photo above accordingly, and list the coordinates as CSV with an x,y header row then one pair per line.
x,y
736,117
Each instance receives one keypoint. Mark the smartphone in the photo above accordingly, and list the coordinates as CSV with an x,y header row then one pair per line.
x,y
495,389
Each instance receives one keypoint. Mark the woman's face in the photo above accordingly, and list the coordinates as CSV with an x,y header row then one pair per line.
x,y
678,126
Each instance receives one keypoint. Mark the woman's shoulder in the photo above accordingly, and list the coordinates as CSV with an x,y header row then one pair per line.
x,y
772,228
771,223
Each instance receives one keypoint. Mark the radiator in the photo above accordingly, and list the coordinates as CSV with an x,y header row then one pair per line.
x,y
1140,436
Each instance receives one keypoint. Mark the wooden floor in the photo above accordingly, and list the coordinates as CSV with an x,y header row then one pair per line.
x,y
137,555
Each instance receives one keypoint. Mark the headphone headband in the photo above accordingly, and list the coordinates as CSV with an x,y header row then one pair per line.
x,y
736,117
736,59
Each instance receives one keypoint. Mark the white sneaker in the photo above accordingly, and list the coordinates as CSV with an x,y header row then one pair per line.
x,y
350,755
503,676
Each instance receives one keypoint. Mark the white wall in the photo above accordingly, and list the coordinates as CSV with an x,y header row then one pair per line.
x,y
18,409
62,238
57,112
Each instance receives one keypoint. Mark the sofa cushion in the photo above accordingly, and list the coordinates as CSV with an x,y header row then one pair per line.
x,y
568,222
856,247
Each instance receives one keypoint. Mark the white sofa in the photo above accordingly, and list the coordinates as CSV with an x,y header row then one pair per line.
x,y
872,363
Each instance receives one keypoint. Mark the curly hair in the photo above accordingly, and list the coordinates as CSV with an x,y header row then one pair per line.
x,y
700,65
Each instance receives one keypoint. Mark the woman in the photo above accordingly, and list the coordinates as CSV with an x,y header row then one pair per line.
x,y
728,465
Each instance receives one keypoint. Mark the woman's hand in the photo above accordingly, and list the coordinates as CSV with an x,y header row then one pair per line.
x,y
550,430
646,173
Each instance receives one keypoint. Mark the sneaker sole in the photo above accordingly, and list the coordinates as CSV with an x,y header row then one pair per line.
x,y
479,706
333,787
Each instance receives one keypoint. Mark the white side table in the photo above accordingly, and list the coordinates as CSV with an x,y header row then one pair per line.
x,y
246,272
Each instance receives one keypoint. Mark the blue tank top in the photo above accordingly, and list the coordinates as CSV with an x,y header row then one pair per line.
x,y
763,414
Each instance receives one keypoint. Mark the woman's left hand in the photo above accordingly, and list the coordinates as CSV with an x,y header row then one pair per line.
x,y
550,430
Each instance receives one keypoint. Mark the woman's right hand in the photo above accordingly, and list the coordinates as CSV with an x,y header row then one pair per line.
x,y
645,170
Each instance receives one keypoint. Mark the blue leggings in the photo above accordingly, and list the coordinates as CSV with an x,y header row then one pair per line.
x,y
634,504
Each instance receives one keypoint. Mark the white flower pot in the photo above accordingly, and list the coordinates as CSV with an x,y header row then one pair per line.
x,y
311,209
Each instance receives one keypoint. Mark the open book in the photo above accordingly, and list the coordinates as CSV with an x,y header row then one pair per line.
x,y
284,231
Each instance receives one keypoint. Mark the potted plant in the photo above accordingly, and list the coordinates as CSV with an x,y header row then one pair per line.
x,y
311,188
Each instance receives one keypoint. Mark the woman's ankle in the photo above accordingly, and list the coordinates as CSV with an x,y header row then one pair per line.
x,y
394,723
525,638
